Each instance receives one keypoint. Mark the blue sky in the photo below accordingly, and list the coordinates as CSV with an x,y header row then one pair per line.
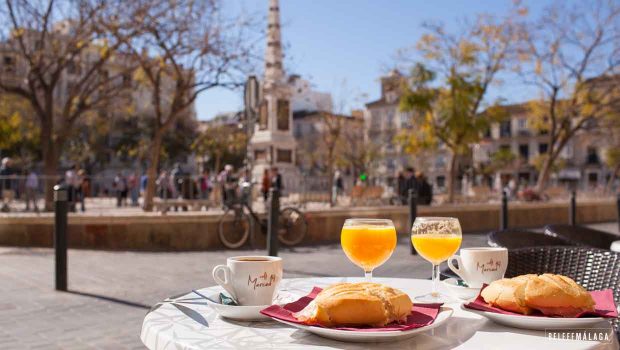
x,y
344,46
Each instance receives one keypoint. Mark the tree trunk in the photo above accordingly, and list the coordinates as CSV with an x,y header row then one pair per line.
x,y
612,177
330,179
451,178
545,172
151,172
50,165
218,162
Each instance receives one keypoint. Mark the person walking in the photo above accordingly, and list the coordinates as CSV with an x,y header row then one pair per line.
x,y
205,184
32,186
276,179
81,187
401,183
425,190
120,186
7,190
71,183
338,186
411,182
132,184
265,185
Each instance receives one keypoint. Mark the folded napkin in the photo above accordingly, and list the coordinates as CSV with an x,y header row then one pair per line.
x,y
604,306
421,315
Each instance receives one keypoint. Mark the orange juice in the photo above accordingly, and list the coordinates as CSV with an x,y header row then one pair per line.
x,y
436,247
367,246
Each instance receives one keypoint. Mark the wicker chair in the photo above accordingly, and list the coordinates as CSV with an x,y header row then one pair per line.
x,y
592,268
581,235
513,239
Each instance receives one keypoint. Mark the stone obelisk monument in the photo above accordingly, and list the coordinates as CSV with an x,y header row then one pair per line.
x,y
272,143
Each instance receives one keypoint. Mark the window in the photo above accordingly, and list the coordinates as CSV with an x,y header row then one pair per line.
x,y
260,154
592,156
521,123
263,116
283,115
505,129
543,148
524,151
441,181
284,156
8,63
390,120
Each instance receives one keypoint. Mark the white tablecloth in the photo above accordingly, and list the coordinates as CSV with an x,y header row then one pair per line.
x,y
168,326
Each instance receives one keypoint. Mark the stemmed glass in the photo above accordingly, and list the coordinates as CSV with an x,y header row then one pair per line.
x,y
368,243
436,239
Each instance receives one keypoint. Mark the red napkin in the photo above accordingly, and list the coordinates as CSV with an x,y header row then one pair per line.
x,y
604,306
421,315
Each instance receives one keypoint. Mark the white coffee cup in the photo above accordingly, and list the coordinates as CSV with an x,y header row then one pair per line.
x,y
480,265
250,280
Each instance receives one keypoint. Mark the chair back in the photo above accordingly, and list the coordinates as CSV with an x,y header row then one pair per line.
x,y
514,239
582,235
593,268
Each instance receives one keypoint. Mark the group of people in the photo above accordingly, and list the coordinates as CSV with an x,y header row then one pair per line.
x,y
230,182
9,187
410,179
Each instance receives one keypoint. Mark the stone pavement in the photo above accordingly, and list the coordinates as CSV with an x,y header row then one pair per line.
x,y
110,292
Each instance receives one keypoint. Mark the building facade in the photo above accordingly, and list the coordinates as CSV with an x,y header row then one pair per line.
x,y
383,122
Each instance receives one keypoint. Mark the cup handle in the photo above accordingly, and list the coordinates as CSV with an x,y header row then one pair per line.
x,y
226,282
454,269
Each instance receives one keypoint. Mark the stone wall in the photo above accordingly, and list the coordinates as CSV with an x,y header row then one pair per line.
x,y
199,231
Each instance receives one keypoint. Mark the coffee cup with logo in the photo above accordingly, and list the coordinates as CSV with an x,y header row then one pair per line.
x,y
250,280
478,266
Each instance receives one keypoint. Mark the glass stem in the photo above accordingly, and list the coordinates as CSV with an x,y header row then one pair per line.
x,y
368,276
435,280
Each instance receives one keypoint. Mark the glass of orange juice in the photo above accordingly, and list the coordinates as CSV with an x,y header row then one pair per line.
x,y
436,239
368,243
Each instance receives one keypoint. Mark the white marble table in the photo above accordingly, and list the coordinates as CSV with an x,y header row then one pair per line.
x,y
187,322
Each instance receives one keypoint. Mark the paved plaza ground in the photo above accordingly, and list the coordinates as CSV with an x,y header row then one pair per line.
x,y
110,292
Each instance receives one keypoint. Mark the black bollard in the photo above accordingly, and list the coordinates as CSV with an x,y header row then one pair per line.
x,y
572,209
60,235
273,212
503,219
413,213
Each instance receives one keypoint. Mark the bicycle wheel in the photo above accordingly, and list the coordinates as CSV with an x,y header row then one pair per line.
x,y
234,227
292,226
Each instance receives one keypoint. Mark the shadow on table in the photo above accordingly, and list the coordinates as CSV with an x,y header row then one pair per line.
x,y
110,299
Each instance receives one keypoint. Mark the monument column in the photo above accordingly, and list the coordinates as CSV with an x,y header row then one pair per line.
x,y
272,143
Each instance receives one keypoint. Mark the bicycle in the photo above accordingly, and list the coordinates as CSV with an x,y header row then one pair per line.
x,y
238,220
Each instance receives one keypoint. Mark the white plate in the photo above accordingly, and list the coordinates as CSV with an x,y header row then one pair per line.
x,y
459,291
367,337
537,323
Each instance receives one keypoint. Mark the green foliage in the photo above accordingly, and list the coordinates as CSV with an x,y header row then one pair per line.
x,y
19,135
222,144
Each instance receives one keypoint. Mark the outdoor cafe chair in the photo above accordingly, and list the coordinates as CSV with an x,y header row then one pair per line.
x,y
581,235
513,239
593,268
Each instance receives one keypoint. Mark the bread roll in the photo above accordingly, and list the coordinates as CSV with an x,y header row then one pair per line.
x,y
357,304
508,294
553,295
557,295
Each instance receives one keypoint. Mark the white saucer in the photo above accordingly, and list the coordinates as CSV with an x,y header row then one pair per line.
x,y
459,291
242,313
366,337
538,322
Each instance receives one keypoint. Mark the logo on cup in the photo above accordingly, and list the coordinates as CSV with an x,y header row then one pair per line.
x,y
264,281
477,266
489,266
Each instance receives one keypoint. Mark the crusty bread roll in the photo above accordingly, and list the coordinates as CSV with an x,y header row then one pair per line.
x,y
508,294
553,295
557,295
357,304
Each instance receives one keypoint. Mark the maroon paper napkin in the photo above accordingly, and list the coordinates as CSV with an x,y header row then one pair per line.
x,y
604,306
421,315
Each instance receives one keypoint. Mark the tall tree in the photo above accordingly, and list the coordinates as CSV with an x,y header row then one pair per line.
x,y
185,48
447,93
571,54
60,53
221,144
